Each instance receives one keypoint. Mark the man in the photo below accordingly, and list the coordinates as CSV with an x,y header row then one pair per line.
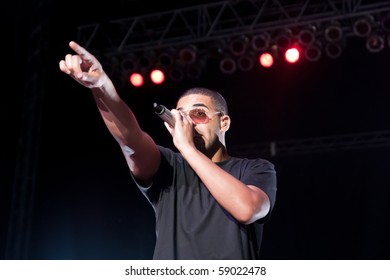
x,y
208,205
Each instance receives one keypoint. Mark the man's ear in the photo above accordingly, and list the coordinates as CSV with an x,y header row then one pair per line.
x,y
225,122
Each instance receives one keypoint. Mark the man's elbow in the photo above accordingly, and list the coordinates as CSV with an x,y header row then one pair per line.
x,y
252,214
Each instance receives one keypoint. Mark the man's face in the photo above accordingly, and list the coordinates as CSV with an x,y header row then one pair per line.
x,y
207,129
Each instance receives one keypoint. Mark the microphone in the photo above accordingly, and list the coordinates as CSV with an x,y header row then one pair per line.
x,y
164,113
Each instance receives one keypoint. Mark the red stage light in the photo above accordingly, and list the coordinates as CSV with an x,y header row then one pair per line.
x,y
266,60
136,79
292,55
157,76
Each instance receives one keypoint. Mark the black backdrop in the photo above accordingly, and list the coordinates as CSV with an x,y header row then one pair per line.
x,y
330,205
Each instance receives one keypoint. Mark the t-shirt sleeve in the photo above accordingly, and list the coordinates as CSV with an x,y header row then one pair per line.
x,y
162,179
262,174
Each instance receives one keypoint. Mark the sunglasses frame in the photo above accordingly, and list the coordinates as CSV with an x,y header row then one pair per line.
x,y
208,118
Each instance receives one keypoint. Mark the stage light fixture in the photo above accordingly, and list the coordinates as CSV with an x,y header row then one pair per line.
x,y
362,27
333,50
313,52
228,65
375,43
283,39
128,62
266,60
165,59
157,76
136,79
307,36
188,54
144,62
128,66
238,46
292,55
385,23
245,63
333,33
176,74
260,42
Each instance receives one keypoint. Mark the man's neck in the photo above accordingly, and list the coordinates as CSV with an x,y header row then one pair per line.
x,y
220,155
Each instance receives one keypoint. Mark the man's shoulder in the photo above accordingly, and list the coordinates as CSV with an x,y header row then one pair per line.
x,y
257,160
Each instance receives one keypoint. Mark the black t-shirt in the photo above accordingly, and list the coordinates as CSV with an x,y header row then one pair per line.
x,y
190,224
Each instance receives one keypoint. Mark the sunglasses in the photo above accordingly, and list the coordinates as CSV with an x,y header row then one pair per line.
x,y
199,115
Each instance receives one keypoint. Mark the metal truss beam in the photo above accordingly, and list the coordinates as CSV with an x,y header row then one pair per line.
x,y
224,19
21,211
314,145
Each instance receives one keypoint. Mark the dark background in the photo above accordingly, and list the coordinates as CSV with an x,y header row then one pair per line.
x,y
331,204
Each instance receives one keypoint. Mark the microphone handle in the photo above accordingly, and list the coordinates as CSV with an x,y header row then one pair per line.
x,y
164,113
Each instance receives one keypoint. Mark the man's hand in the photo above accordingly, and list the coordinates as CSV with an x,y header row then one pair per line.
x,y
183,131
83,67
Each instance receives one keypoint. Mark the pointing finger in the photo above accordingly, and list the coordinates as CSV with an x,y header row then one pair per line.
x,y
83,53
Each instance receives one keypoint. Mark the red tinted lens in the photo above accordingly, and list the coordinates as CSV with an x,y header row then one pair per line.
x,y
198,116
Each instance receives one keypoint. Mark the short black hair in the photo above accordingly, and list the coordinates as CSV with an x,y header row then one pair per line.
x,y
218,100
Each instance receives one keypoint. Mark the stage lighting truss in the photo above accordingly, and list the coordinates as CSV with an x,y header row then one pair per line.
x,y
227,32
242,52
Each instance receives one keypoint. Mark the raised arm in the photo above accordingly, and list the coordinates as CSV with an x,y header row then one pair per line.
x,y
141,152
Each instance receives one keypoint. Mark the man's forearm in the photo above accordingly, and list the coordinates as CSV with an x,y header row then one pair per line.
x,y
141,152
241,201
117,116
